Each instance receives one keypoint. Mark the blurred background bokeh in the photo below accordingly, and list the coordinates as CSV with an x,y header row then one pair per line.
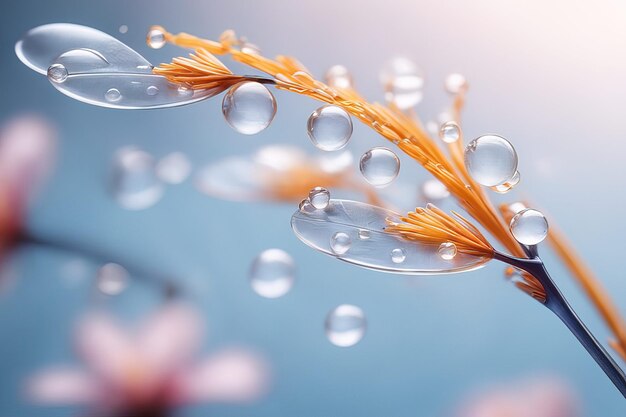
x,y
549,76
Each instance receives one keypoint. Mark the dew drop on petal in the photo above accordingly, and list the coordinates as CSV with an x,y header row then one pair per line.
x,y
345,325
447,251
338,76
379,166
450,132
434,190
155,39
529,227
403,82
491,160
330,128
508,185
135,185
249,107
319,197
340,243
456,83
57,73
272,273
112,279
398,255
173,168
112,95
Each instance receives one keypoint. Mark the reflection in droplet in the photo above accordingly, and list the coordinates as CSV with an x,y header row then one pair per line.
x,y
134,182
450,132
57,73
491,160
112,95
345,325
112,279
379,166
340,243
403,82
456,83
330,128
249,107
338,76
155,39
272,273
173,168
398,255
434,190
447,251
508,185
319,197
529,227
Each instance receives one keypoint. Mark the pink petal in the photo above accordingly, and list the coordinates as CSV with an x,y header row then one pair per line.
x,y
229,376
62,386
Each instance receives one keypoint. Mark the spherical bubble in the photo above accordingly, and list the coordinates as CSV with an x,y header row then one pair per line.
x,y
379,166
113,95
249,107
456,83
450,132
447,251
272,273
529,227
491,160
319,197
340,243
134,182
403,82
338,76
330,128
398,255
155,39
57,73
345,325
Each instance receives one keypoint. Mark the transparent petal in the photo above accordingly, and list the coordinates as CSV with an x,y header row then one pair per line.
x,y
316,228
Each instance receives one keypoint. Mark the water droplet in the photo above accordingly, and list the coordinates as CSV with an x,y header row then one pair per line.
x,y
450,132
508,185
456,83
173,168
340,243
345,325
364,234
134,182
57,73
272,273
398,255
112,279
123,29
338,76
155,39
403,82
113,95
379,166
305,205
319,197
447,251
529,227
185,90
434,190
152,90
491,160
249,107
329,128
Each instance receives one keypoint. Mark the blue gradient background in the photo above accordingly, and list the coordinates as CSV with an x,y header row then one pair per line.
x,y
547,75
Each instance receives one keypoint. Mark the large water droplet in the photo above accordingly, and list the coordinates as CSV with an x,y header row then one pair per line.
x,y
403,82
508,185
379,166
134,182
398,255
155,39
330,128
340,243
529,227
434,190
338,76
447,251
249,107
345,325
173,168
491,160
112,279
456,83
57,73
272,273
450,132
319,197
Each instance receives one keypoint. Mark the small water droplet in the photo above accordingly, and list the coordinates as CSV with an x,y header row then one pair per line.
x,y
185,90
57,73
330,128
456,83
123,29
508,185
491,160
173,168
306,206
403,82
113,95
447,251
529,227
450,132
152,90
340,243
379,166
272,273
364,234
338,76
345,325
112,279
434,190
134,182
398,255
155,39
319,197
249,107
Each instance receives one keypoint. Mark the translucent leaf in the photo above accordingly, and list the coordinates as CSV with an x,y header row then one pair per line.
x,y
369,245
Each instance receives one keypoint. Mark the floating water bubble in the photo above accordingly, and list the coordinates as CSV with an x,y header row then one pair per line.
x,y
249,107
173,168
272,273
57,73
450,132
434,190
134,181
403,82
447,251
152,90
112,279
123,29
330,128
319,197
379,166
113,95
398,255
338,76
345,325
364,234
508,185
340,243
491,160
529,227
456,83
155,39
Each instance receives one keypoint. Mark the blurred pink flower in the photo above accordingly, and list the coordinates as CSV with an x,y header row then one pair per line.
x,y
535,397
150,369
